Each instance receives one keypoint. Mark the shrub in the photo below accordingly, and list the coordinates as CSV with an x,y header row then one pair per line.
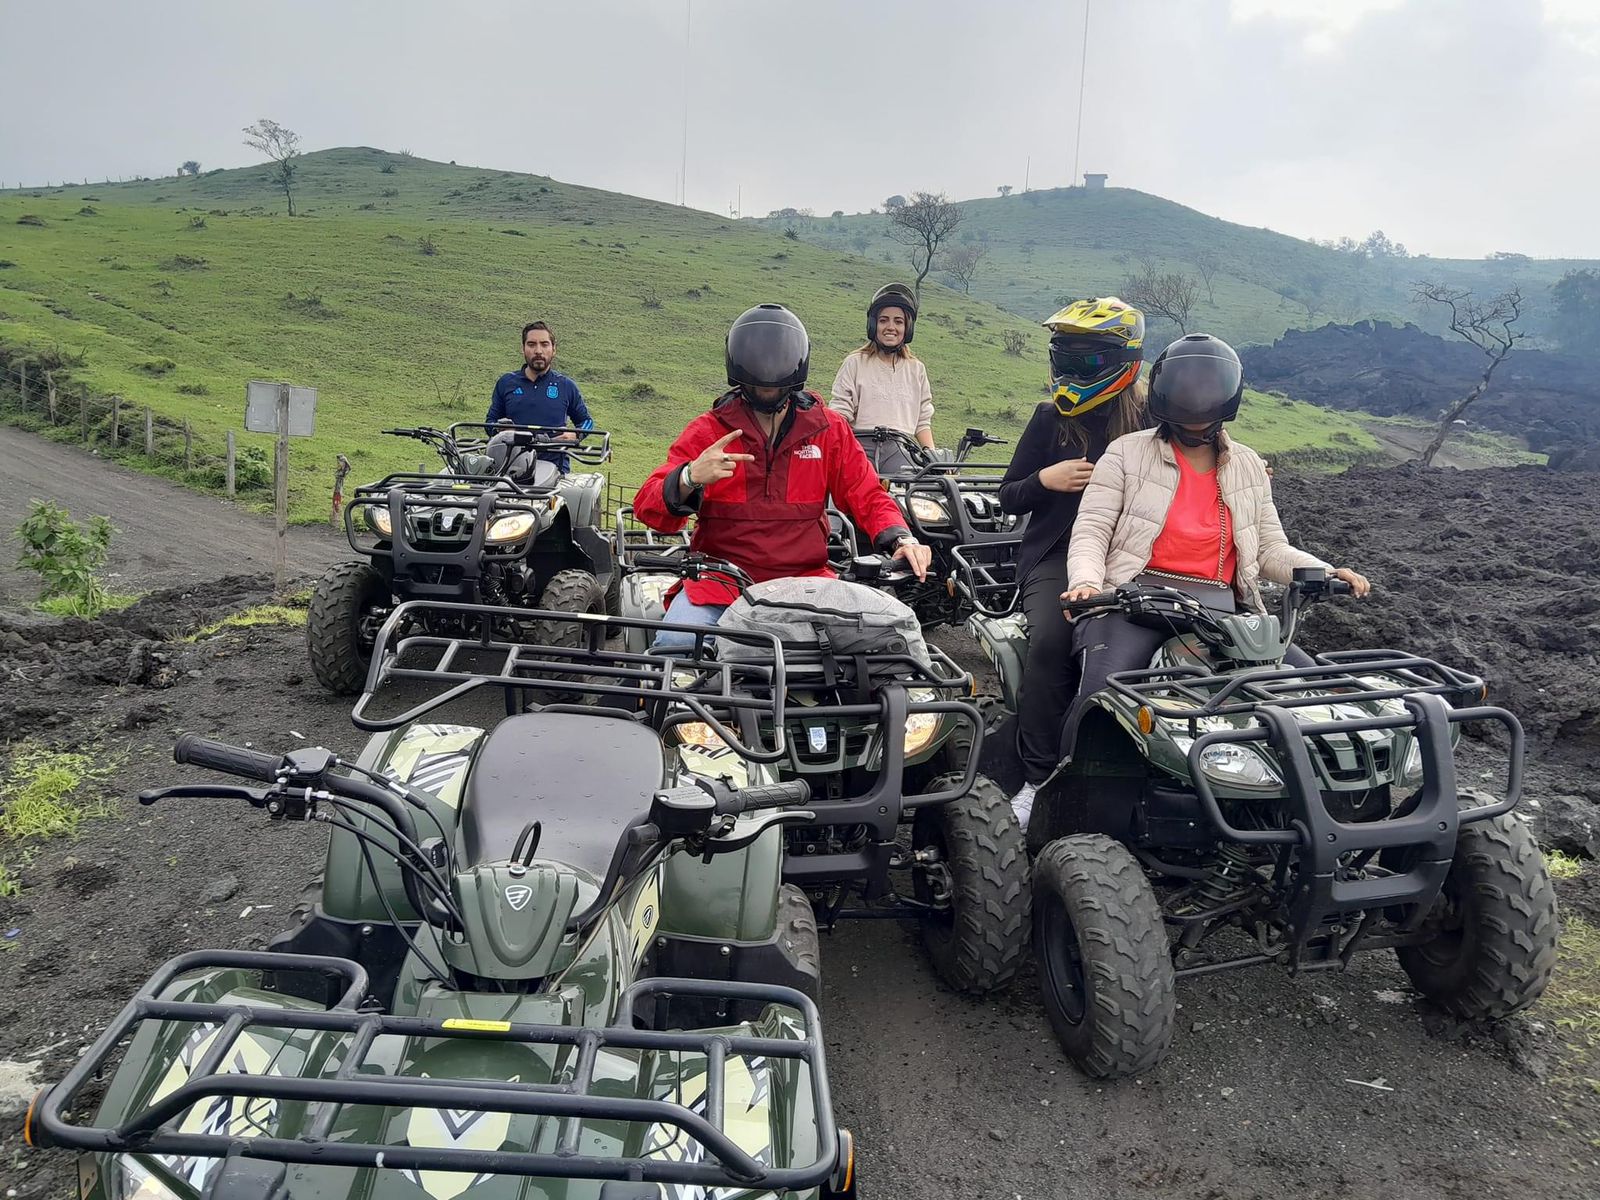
x,y
184,262
428,244
1014,341
310,305
88,210
30,219
252,470
648,296
66,557
194,389
389,193
197,222
386,169
156,366
514,232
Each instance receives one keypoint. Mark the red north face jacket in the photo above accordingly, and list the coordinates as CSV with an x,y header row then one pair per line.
x,y
769,517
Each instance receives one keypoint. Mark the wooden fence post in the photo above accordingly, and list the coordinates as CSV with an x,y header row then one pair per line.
x,y
228,475
116,420
83,414
188,447
149,433
50,384
23,365
339,473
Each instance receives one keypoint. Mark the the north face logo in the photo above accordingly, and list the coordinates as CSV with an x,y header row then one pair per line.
x,y
809,450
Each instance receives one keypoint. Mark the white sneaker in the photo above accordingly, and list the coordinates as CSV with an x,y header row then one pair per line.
x,y
1022,804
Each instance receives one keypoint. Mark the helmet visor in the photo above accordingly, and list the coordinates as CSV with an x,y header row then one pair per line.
x,y
768,352
1196,389
1084,360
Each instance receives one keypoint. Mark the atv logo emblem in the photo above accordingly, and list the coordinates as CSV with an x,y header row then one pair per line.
x,y
518,895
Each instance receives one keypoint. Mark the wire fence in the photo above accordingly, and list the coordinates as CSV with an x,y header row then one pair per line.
x,y
40,394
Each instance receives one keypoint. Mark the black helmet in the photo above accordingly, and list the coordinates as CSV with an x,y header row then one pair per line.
x,y
1197,380
892,295
768,347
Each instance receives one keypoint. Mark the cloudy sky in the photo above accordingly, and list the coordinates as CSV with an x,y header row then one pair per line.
x,y
1458,126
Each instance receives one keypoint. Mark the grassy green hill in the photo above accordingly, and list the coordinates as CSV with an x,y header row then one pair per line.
x,y
1075,242
173,293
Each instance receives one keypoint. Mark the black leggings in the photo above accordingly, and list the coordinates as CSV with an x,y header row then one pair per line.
x,y
1050,676
1102,646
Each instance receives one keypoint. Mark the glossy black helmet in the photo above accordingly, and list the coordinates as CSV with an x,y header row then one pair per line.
x,y
1197,380
768,347
892,295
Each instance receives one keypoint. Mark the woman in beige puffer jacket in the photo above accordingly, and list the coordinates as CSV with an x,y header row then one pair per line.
x,y
1182,499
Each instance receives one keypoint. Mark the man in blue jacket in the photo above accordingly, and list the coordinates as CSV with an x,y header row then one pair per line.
x,y
537,395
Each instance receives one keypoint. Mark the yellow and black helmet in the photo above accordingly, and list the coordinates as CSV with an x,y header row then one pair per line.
x,y
1096,346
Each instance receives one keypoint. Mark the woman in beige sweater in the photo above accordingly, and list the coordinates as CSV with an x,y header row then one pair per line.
x,y
883,383
1182,502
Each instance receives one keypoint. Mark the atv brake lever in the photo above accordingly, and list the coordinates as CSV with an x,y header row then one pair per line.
x,y
257,797
725,845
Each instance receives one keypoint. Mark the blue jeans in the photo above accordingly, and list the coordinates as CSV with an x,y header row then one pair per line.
x,y
683,611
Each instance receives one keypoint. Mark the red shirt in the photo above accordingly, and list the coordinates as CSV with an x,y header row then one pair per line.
x,y
770,516
1197,538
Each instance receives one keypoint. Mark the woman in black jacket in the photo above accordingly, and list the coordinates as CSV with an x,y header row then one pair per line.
x,y
1096,347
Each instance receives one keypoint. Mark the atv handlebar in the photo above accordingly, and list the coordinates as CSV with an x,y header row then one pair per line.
x,y
230,760
767,795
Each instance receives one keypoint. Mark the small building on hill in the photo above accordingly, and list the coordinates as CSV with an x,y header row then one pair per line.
x,y
1095,183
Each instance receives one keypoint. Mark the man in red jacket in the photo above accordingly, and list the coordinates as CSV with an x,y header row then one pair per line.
x,y
757,471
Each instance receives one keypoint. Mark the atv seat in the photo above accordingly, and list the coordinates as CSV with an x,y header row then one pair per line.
x,y
584,779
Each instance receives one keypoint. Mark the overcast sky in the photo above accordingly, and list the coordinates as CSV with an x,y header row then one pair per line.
x,y
1458,126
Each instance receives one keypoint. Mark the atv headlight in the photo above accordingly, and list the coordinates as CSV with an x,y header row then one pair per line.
x,y
510,527
1238,766
1411,769
135,1181
928,510
377,516
920,727
698,733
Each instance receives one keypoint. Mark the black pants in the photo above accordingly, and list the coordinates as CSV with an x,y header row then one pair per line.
x,y
1050,677
1102,646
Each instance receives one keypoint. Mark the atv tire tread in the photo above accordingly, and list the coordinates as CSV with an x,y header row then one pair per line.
x,y
982,950
571,591
797,935
1126,957
1514,933
332,625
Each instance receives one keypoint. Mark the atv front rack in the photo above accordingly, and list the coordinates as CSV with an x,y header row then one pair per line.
x,y
1421,832
358,1083
985,575
749,695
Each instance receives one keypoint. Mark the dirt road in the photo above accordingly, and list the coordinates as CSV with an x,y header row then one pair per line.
x,y
166,534
1337,1086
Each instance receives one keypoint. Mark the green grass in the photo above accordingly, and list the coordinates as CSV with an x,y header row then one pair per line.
x,y
38,795
251,618
178,318
1073,242
68,606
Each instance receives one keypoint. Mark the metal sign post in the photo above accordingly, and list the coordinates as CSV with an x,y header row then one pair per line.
x,y
286,411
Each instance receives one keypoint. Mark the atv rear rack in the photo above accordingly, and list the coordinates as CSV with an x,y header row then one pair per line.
x,y
712,690
630,536
355,1083
1422,829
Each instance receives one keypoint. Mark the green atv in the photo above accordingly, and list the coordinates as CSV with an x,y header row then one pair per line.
x,y
498,524
881,728
547,962
1222,809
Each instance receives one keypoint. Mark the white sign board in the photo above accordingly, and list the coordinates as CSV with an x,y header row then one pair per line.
x,y
261,408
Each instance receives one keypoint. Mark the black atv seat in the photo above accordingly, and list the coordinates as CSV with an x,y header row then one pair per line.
x,y
581,777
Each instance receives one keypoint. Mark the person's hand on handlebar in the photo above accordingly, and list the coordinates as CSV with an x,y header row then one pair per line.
x,y
1359,585
716,461
915,555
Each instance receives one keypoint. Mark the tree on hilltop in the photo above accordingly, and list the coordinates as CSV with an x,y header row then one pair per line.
x,y
924,224
282,146
1487,324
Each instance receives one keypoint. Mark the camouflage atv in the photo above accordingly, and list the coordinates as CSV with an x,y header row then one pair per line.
x,y
548,961
498,524
1222,809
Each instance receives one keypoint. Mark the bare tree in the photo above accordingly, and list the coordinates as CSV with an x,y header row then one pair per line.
x,y
924,223
1005,189
1310,293
282,146
1170,294
962,263
1487,324
1208,263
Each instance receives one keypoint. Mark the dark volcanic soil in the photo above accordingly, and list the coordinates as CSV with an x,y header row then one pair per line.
x,y
1264,1093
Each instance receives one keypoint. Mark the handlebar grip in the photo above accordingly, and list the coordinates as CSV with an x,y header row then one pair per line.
x,y
658,562
1098,600
230,760
774,795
